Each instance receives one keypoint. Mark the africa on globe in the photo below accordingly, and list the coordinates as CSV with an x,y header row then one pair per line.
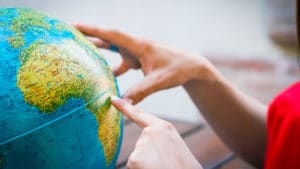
x,y
55,90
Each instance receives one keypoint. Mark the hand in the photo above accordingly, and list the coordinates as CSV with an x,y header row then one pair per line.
x,y
164,67
159,146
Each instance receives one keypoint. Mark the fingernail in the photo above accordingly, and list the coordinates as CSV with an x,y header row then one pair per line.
x,y
114,98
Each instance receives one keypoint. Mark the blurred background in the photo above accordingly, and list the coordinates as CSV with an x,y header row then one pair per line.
x,y
252,42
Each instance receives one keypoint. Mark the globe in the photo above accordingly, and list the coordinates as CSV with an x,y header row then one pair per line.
x,y
55,90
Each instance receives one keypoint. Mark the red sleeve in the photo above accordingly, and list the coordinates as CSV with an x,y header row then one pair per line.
x,y
283,128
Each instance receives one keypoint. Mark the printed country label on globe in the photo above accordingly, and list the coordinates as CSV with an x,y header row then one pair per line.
x,y
54,96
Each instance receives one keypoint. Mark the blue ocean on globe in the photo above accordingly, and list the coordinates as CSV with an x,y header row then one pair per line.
x,y
54,96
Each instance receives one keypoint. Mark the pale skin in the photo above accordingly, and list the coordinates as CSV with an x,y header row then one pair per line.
x,y
237,118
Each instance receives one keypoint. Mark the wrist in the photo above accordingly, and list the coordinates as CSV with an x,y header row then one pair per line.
x,y
202,72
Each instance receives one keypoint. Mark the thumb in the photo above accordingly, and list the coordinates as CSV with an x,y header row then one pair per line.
x,y
120,69
138,116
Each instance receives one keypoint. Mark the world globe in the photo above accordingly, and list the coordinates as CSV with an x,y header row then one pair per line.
x,y
55,90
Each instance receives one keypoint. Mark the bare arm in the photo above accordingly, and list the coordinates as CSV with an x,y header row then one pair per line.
x,y
238,119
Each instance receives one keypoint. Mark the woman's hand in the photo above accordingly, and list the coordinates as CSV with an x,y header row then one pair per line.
x,y
159,146
164,67
236,117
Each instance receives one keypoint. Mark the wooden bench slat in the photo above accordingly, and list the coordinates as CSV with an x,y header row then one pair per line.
x,y
206,146
216,164
212,153
237,163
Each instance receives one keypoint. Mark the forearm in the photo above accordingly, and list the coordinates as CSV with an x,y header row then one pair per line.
x,y
238,119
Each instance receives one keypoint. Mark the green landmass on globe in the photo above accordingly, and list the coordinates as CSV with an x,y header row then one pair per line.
x,y
54,72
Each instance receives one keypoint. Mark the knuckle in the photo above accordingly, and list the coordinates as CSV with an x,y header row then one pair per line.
x,y
133,161
146,46
147,131
141,94
167,125
96,30
114,32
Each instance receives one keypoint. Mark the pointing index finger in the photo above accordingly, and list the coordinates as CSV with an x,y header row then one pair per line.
x,y
133,113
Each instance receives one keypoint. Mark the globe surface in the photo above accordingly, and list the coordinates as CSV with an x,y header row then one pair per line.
x,y
54,96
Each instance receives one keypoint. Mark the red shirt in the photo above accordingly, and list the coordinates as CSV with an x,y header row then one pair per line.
x,y
283,128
